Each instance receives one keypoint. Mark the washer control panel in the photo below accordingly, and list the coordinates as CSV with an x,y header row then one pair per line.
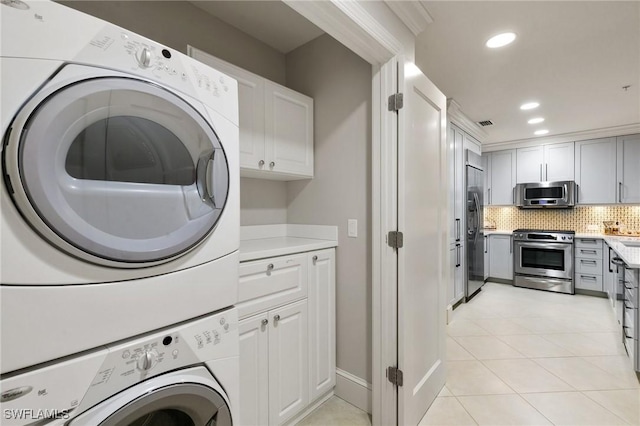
x,y
195,342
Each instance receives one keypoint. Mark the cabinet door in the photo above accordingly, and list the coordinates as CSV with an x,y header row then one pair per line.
x,y
486,166
501,257
322,325
288,131
596,171
288,362
459,273
503,177
254,370
486,257
529,167
451,285
456,182
629,169
559,162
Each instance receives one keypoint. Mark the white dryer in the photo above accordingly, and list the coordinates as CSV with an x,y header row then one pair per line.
x,y
120,200
185,376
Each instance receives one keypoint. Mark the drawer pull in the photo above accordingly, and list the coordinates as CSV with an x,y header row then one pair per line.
x,y
315,259
589,241
587,277
591,262
265,322
588,251
276,318
270,267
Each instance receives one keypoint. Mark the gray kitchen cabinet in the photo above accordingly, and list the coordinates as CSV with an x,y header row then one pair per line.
x,y
501,177
589,264
486,257
500,257
595,168
529,164
545,163
628,169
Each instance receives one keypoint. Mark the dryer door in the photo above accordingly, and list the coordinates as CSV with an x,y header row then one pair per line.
x,y
189,401
117,170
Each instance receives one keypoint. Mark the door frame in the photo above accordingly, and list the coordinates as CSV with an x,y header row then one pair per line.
x,y
381,44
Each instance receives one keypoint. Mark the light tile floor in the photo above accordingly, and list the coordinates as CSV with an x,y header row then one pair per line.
x,y
525,357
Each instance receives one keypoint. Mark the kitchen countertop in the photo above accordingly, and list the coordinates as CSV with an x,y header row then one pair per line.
x,y
497,232
262,241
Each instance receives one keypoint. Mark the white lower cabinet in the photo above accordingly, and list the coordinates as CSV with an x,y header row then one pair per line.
x,y
287,352
500,257
588,264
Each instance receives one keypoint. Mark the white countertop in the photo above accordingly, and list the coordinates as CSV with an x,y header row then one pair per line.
x,y
259,242
630,254
497,232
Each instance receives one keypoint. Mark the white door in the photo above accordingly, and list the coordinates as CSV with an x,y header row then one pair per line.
x,y
288,361
322,322
422,261
254,370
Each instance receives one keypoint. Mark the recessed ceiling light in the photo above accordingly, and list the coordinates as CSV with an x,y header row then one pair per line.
x,y
536,120
541,132
500,40
530,105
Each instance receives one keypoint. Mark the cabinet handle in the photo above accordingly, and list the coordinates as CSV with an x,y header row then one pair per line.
x,y
546,171
457,255
457,229
315,259
276,318
541,172
270,267
265,322
589,241
489,197
588,277
261,163
619,192
272,164
590,262
485,244
588,251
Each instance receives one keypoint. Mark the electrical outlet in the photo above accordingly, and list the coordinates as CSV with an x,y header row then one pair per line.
x,y
593,227
352,228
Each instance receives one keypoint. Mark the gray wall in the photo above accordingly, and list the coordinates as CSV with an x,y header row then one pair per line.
x,y
179,23
340,83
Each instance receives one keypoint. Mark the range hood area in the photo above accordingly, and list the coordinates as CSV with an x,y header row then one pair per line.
x,y
544,195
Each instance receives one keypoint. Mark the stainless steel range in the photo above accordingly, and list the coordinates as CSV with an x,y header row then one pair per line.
x,y
543,260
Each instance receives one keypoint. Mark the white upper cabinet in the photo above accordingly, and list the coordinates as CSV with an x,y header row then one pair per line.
x,y
276,125
559,162
595,167
545,163
530,164
628,169
288,131
502,177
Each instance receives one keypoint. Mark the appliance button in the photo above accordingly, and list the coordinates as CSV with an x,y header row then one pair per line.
x,y
564,238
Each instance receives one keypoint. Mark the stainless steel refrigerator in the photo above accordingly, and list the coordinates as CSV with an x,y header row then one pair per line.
x,y
475,222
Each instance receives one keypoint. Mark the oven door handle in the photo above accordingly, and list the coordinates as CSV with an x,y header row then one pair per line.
x,y
543,245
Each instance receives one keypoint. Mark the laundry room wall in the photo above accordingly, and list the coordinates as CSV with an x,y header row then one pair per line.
x,y
340,83
177,24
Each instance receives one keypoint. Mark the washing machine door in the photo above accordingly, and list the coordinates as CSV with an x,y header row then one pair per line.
x,y
115,169
188,401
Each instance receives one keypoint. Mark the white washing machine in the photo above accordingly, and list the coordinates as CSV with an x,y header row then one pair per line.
x,y
184,376
120,200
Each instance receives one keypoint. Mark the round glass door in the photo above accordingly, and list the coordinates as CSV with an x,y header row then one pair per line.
x,y
121,170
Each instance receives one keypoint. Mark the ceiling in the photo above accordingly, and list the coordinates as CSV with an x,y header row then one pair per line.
x,y
572,57
272,22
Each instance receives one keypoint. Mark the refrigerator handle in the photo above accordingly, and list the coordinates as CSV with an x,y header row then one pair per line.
x,y
477,201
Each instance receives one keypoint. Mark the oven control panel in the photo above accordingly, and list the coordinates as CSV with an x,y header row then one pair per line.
x,y
543,236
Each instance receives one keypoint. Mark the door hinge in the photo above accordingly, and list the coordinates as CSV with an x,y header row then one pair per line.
x,y
395,239
396,101
394,374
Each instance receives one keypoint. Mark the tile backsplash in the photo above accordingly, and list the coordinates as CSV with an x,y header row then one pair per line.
x,y
577,219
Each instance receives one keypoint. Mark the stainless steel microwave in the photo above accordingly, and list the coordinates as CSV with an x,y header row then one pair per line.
x,y
537,195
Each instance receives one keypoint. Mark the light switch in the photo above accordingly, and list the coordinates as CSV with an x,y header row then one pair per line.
x,y
352,228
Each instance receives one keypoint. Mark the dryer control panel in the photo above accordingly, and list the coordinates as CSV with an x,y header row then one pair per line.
x,y
81,382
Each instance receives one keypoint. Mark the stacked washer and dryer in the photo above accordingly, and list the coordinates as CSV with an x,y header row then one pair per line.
x,y
120,226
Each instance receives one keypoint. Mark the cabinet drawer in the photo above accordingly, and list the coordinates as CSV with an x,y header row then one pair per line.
x,y
588,253
589,282
589,243
629,321
265,284
589,266
631,277
630,295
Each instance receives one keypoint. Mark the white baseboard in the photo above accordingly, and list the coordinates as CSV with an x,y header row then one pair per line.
x,y
297,418
354,390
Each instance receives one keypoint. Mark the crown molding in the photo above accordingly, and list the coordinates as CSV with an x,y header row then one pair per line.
x,y
413,14
627,129
457,117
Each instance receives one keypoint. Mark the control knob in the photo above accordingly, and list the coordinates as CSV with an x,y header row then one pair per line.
x,y
144,58
146,361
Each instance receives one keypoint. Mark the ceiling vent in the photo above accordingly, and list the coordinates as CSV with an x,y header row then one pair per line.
x,y
485,123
